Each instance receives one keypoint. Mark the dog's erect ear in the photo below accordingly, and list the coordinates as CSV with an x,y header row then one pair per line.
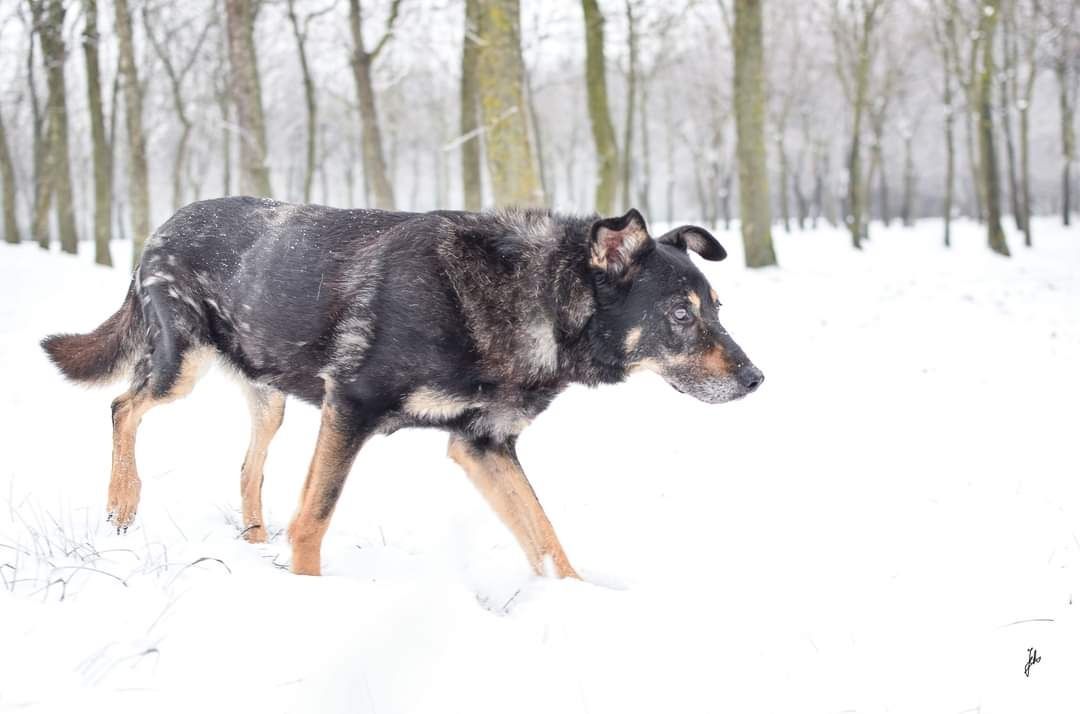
x,y
615,243
696,239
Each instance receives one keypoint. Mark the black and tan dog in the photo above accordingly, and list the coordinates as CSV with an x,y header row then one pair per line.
x,y
468,322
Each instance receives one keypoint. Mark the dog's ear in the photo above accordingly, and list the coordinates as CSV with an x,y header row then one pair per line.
x,y
696,239
615,243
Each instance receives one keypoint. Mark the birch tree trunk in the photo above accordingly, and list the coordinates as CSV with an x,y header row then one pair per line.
x,y
138,173
247,98
607,155
100,145
749,98
501,94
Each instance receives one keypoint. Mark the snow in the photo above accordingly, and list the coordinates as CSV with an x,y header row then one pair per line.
x,y
886,526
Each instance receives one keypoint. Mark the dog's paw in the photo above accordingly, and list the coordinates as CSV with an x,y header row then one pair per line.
x,y
122,507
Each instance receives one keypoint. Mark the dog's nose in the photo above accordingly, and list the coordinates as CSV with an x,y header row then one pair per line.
x,y
750,377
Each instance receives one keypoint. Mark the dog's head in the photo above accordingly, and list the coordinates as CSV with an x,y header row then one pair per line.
x,y
656,311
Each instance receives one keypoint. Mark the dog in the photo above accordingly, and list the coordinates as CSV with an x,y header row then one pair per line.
x,y
467,322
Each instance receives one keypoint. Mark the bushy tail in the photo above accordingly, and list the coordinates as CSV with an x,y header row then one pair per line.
x,y
103,354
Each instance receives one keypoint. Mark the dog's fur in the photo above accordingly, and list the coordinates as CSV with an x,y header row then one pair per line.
x,y
468,322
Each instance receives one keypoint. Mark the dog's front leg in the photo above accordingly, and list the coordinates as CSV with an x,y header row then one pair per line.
x,y
343,430
495,471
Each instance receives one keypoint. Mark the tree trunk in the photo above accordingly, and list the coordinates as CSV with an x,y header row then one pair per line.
x,y
7,179
631,102
138,173
856,196
1008,70
644,199
782,159
102,177
300,34
950,145
978,183
749,97
992,191
55,55
247,96
907,208
500,90
375,169
39,226
1068,138
607,159
472,188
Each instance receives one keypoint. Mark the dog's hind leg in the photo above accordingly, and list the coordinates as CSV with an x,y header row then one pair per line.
x,y
267,407
127,412
342,431
497,474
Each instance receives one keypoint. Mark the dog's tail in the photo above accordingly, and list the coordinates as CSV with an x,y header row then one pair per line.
x,y
105,353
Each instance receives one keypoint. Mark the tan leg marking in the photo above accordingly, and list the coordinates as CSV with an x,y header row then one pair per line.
x,y
500,480
128,411
334,454
267,406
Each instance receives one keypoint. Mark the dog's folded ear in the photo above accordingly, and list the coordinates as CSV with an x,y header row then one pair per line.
x,y
696,239
615,243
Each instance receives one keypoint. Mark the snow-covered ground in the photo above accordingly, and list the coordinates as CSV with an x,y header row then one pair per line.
x,y
886,526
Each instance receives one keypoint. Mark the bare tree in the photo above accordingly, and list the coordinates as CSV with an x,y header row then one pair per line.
x,y
247,98
301,28
42,195
176,72
855,24
1065,59
472,190
1028,18
138,172
987,155
944,27
607,153
7,179
58,156
101,148
749,95
501,95
375,172
631,102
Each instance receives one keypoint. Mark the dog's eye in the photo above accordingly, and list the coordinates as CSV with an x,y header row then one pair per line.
x,y
681,314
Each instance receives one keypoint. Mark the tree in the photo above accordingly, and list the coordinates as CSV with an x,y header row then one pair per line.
x,y
247,98
375,173
58,156
138,172
854,28
607,154
176,73
7,180
631,103
100,146
1063,16
300,30
987,156
472,190
749,90
39,228
500,90
1028,20
944,24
